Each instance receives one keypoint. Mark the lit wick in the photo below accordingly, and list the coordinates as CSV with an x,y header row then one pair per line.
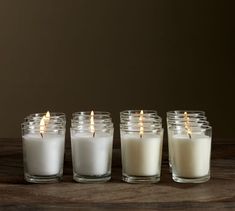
x,y
187,125
43,123
42,126
92,124
141,124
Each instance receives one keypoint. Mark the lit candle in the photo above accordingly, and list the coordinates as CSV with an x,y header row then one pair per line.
x,y
141,123
43,151
91,152
92,124
190,153
187,124
141,153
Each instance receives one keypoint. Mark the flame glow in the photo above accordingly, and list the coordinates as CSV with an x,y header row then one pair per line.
x,y
141,123
44,121
42,125
92,123
187,124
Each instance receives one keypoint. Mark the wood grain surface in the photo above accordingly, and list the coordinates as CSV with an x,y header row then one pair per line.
x,y
216,194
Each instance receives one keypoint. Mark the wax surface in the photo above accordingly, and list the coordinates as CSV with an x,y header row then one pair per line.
x,y
91,155
191,157
43,156
141,156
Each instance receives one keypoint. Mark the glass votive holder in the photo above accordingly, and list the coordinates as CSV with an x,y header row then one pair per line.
x,y
43,152
141,155
92,143
141,149
191,151
180,117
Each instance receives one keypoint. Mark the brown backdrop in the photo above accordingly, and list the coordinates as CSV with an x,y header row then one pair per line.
x,y
116,54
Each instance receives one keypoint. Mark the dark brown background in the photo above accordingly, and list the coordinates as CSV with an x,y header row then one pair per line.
x,y
114,55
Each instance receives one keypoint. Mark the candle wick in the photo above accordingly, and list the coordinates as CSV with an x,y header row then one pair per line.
x,y
189,135
41,135
93,134
141,135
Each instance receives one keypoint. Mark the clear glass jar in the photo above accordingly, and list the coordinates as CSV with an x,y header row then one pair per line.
x,y
91,141
43,151
179,117
191,153
141,146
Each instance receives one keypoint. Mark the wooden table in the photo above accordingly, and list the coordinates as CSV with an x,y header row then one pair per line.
x,y
217,194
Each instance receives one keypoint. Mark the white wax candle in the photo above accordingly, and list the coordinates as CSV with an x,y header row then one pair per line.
x,y
43,156
191,157
169,133
91,155
141,156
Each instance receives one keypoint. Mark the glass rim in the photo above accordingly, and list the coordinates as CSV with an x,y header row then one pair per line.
x,y
183,117
88,124
37,130
87,118
137,112
138,115
38,123
136,130
202,127
27,124
52,119
51,114
173,112
88,121
88,113
190,122
87,130
139,123
146,127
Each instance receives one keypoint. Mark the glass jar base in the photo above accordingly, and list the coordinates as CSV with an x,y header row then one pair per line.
x,y
42,179
91,179
140,179
190,180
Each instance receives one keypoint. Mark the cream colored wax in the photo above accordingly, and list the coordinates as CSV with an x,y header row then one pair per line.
x,y
191,156
141,156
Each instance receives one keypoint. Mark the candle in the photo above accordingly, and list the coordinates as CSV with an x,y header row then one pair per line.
x,y
91,142
43,148
91,155
191,155
141,145
141,156
43,156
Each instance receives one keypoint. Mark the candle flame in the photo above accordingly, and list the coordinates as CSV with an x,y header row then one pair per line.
x,y
92,123
187,125
42,126
44,121
141,123
47,117
48,114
